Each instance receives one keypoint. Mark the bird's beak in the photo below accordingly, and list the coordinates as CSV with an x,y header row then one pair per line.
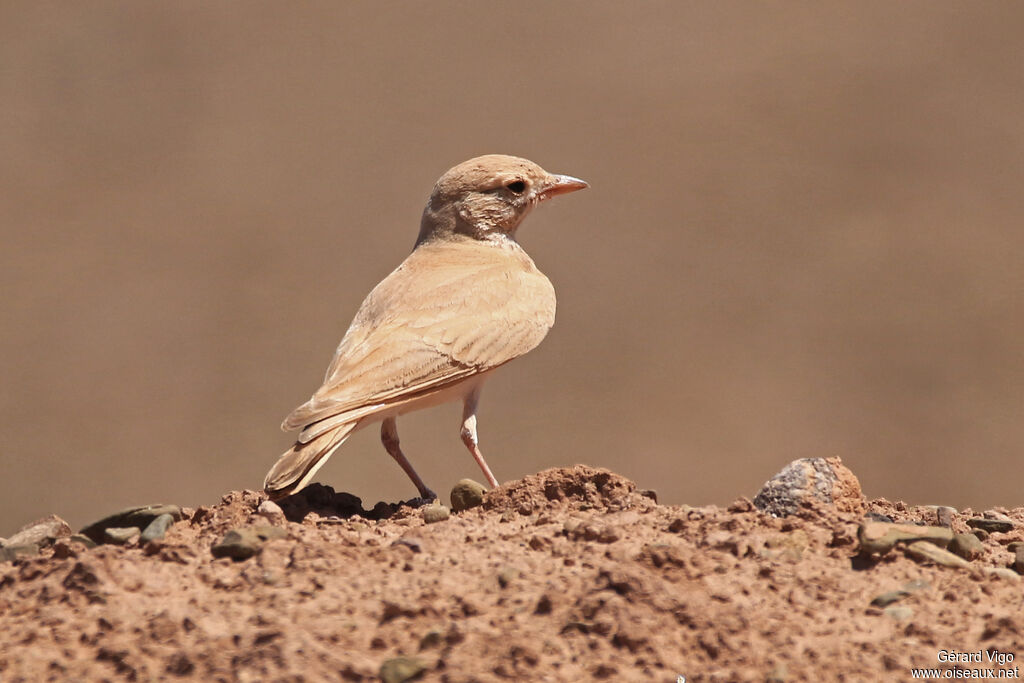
x,y
560,184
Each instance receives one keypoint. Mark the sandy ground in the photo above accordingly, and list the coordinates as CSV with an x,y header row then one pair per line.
x,y
568,575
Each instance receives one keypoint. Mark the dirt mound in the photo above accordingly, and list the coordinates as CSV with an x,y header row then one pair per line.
x,y
567,575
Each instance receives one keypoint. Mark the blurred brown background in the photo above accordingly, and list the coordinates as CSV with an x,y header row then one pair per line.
x,y
802,238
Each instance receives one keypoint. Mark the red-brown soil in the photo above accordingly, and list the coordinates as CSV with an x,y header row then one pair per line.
x,y
568,575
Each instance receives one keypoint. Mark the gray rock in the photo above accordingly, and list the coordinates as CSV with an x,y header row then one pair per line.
x,y
435,513
156,529
967,546
899,613
801,482
120,535
944,515
10,553
923,551
1018,560
886,599
272,511
431,638
880,537
992,526
243,543
467,494
401,669
82,539
138,517
1004,573
42,532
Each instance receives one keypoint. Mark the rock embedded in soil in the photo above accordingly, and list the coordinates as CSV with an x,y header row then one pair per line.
x,y
435,513
272,512
467,494
156,529
967,546
138,517
881,537
401,669
10,553
243,543
1018,559
807,481
42,532
925,551
992,526
120,535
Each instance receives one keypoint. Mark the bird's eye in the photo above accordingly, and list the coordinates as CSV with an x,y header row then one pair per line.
x,y
517,186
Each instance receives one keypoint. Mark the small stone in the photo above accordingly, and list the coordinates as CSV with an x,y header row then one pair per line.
x,y
10,553
467,494
506,575
944,515
981,534
1012,547
967,546
156,529
649,493
435,513
243,543
992,526
138,517
120,535
898,612
1018,560
803,481
401,669
431,638
925,551
880,537
886,599
42,532
272,511
1003,573
82,539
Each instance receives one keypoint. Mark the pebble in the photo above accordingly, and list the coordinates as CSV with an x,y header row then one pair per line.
x,y
401,669
1003,573
944,515
886,599
10,553
42,532
1018,560
156,529
244,542
967,546
431,638
120,535
467,494
925,551
803,481
880,537
435,513
272,511
82,539
138,517
898,612
992,526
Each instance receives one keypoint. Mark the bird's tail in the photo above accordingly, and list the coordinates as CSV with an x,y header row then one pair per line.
x,y
298,464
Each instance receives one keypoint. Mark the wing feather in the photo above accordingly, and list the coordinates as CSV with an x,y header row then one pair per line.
x,y
449,312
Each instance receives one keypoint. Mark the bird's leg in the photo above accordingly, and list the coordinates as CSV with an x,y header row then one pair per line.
x,y
469,434
389,437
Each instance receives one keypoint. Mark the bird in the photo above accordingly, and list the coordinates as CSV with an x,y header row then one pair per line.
x,y
465,301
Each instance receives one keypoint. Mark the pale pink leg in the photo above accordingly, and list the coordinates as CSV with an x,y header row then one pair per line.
x,y
469,435
389,437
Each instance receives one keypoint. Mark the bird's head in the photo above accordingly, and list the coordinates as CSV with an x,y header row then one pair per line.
x,y
488,197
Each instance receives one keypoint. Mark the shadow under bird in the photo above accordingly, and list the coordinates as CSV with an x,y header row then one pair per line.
x,y
467,300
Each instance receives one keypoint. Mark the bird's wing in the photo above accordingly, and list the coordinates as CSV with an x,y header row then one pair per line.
x,y
448,312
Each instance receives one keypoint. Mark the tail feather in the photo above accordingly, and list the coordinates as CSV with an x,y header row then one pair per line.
x,y
298,464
